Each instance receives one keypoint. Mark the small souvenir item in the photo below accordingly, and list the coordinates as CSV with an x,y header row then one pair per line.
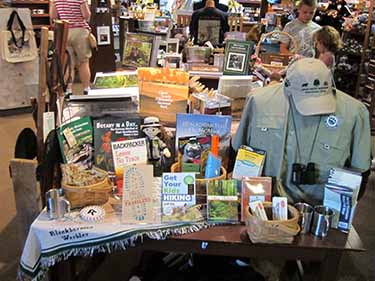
x,y
157,150
92,213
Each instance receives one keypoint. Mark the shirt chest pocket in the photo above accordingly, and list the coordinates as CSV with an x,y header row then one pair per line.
x,y
268,133
333,149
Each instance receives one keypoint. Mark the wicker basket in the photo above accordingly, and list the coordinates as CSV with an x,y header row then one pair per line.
x,y
261,64
95,194
201,191
273,231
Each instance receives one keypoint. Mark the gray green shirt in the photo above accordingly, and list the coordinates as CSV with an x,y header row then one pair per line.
x,y
266,125
303,34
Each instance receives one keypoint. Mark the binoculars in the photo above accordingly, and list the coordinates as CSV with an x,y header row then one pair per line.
x,y
304,174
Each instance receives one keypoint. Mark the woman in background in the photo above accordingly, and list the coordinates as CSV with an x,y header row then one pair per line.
x,y
327,42
77,13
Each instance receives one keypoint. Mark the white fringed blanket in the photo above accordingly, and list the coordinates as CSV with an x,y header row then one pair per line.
x,y
50,241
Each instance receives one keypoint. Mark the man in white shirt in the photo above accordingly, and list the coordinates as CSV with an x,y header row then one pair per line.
x,y
301,29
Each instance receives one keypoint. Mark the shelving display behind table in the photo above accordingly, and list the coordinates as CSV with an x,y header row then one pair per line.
x,y
39,11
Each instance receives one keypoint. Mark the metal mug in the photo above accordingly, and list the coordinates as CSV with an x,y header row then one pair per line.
x,y
57,206
306,215
322,221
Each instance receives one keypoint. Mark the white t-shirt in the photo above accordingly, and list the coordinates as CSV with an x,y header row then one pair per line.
x,y
303,34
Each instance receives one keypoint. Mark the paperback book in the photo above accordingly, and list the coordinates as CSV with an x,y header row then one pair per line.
x,y
139,205
254,189
108,130
222,201
249,162
76,142
188,125
126,153
178,199
237,54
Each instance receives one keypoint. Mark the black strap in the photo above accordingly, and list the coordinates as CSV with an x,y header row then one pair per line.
x,y
60,72
10,25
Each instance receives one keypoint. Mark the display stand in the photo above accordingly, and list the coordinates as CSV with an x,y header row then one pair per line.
x,y
127,24
103,59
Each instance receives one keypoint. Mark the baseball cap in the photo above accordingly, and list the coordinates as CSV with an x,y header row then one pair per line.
x,y
309,82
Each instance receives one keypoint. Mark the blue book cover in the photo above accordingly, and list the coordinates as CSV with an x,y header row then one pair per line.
x,y
188,125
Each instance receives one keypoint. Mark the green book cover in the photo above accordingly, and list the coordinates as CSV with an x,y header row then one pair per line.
x,y
76,142
237,55
222,201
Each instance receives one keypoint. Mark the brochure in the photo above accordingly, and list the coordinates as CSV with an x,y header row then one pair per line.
x,y
249,162
340,194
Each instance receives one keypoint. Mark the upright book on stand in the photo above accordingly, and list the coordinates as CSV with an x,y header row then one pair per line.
x,y
108,130
237,55
189,125
76,142
178,199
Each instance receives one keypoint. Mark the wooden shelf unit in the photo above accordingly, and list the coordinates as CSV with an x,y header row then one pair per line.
x,y
38,20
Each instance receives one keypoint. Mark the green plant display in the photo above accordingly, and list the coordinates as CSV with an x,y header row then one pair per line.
x,y
116,81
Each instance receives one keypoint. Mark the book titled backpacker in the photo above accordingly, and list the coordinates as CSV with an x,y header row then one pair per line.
x,y
140,203
76,142
108,130
236,59
249,162
178,199
222,201
126,153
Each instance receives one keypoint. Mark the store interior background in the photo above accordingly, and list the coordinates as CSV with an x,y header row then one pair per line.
x,y
354,266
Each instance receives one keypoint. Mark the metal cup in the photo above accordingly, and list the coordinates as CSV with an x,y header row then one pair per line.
x,y
322,221
306,215
57,206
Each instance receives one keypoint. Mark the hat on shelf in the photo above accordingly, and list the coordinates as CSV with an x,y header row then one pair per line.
x,y
309,82
151,121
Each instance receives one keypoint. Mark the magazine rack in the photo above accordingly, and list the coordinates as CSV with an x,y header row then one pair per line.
x,y
273,62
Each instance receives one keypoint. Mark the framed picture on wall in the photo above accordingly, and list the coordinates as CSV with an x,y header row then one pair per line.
x,y
209,30
140,50
103,35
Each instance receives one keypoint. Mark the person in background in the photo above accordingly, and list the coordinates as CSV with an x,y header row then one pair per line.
x,y
77,13
301,29
328,42
209,13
